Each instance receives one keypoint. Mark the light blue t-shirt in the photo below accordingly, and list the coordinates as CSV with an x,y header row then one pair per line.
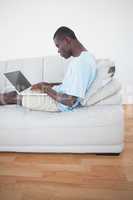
x,y
80,74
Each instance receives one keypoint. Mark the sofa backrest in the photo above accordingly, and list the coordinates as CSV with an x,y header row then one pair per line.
x,y
49,69
54,68
30,67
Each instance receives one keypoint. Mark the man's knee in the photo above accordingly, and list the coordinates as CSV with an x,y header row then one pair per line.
x,y
39,102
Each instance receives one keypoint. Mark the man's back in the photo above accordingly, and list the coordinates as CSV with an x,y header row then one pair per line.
x,y
80,75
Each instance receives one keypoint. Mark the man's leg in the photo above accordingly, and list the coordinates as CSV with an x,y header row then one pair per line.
x,y
10,98
40,103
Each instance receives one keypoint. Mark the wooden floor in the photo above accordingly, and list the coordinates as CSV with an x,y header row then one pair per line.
x,y
69,176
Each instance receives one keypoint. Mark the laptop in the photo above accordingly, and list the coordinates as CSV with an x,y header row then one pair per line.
x,y
21,84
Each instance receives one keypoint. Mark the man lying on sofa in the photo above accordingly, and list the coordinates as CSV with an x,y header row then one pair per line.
x,y
80,74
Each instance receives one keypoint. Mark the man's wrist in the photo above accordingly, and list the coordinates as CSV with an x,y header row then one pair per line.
x,y
46,89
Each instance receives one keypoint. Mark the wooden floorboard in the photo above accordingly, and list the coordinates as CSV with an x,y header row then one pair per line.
x,y
31,176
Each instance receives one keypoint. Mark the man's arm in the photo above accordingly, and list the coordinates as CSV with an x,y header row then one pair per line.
x,y
45,87
42,85
52,84
65,99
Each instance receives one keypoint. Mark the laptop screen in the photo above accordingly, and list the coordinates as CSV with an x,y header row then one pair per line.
x,y
18,80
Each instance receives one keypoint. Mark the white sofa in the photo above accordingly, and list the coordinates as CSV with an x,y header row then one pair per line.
x,y
93,129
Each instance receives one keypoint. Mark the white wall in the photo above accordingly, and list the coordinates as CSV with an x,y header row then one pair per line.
x,y
105,27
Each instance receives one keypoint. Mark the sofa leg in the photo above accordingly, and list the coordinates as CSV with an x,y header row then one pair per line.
x,y
108,154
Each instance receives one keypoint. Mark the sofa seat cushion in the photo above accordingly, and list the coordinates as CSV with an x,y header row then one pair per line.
x,y
82,126
14,116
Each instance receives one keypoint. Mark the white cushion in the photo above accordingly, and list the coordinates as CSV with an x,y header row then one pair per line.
x,y
103,76
102,93
106,68
115,99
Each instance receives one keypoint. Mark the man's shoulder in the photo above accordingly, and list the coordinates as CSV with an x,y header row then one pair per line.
x,y
85,55
85,58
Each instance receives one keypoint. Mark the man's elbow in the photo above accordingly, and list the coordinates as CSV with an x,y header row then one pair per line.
x,y
72,101
67,100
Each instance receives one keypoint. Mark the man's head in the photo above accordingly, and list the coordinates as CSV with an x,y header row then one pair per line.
x,y
63,39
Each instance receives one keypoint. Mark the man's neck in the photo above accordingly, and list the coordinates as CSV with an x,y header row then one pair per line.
x,y
77,48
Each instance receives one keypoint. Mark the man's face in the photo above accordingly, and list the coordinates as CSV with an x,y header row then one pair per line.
x,y
64,47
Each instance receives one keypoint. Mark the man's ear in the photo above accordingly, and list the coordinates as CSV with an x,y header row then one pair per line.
x,y
67,39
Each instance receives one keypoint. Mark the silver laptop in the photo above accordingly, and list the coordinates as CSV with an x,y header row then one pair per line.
x,y
20,83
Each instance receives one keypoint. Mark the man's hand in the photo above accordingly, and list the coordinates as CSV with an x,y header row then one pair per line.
x,y
40,86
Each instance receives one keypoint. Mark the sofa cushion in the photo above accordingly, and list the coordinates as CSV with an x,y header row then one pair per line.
x,y
54,68
105,72
30,67
83,126
115,99
103,93
20,117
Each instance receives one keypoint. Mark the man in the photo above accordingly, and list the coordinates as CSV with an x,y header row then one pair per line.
x,y
80,74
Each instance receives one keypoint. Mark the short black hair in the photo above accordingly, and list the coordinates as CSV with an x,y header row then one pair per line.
x,y
64,31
